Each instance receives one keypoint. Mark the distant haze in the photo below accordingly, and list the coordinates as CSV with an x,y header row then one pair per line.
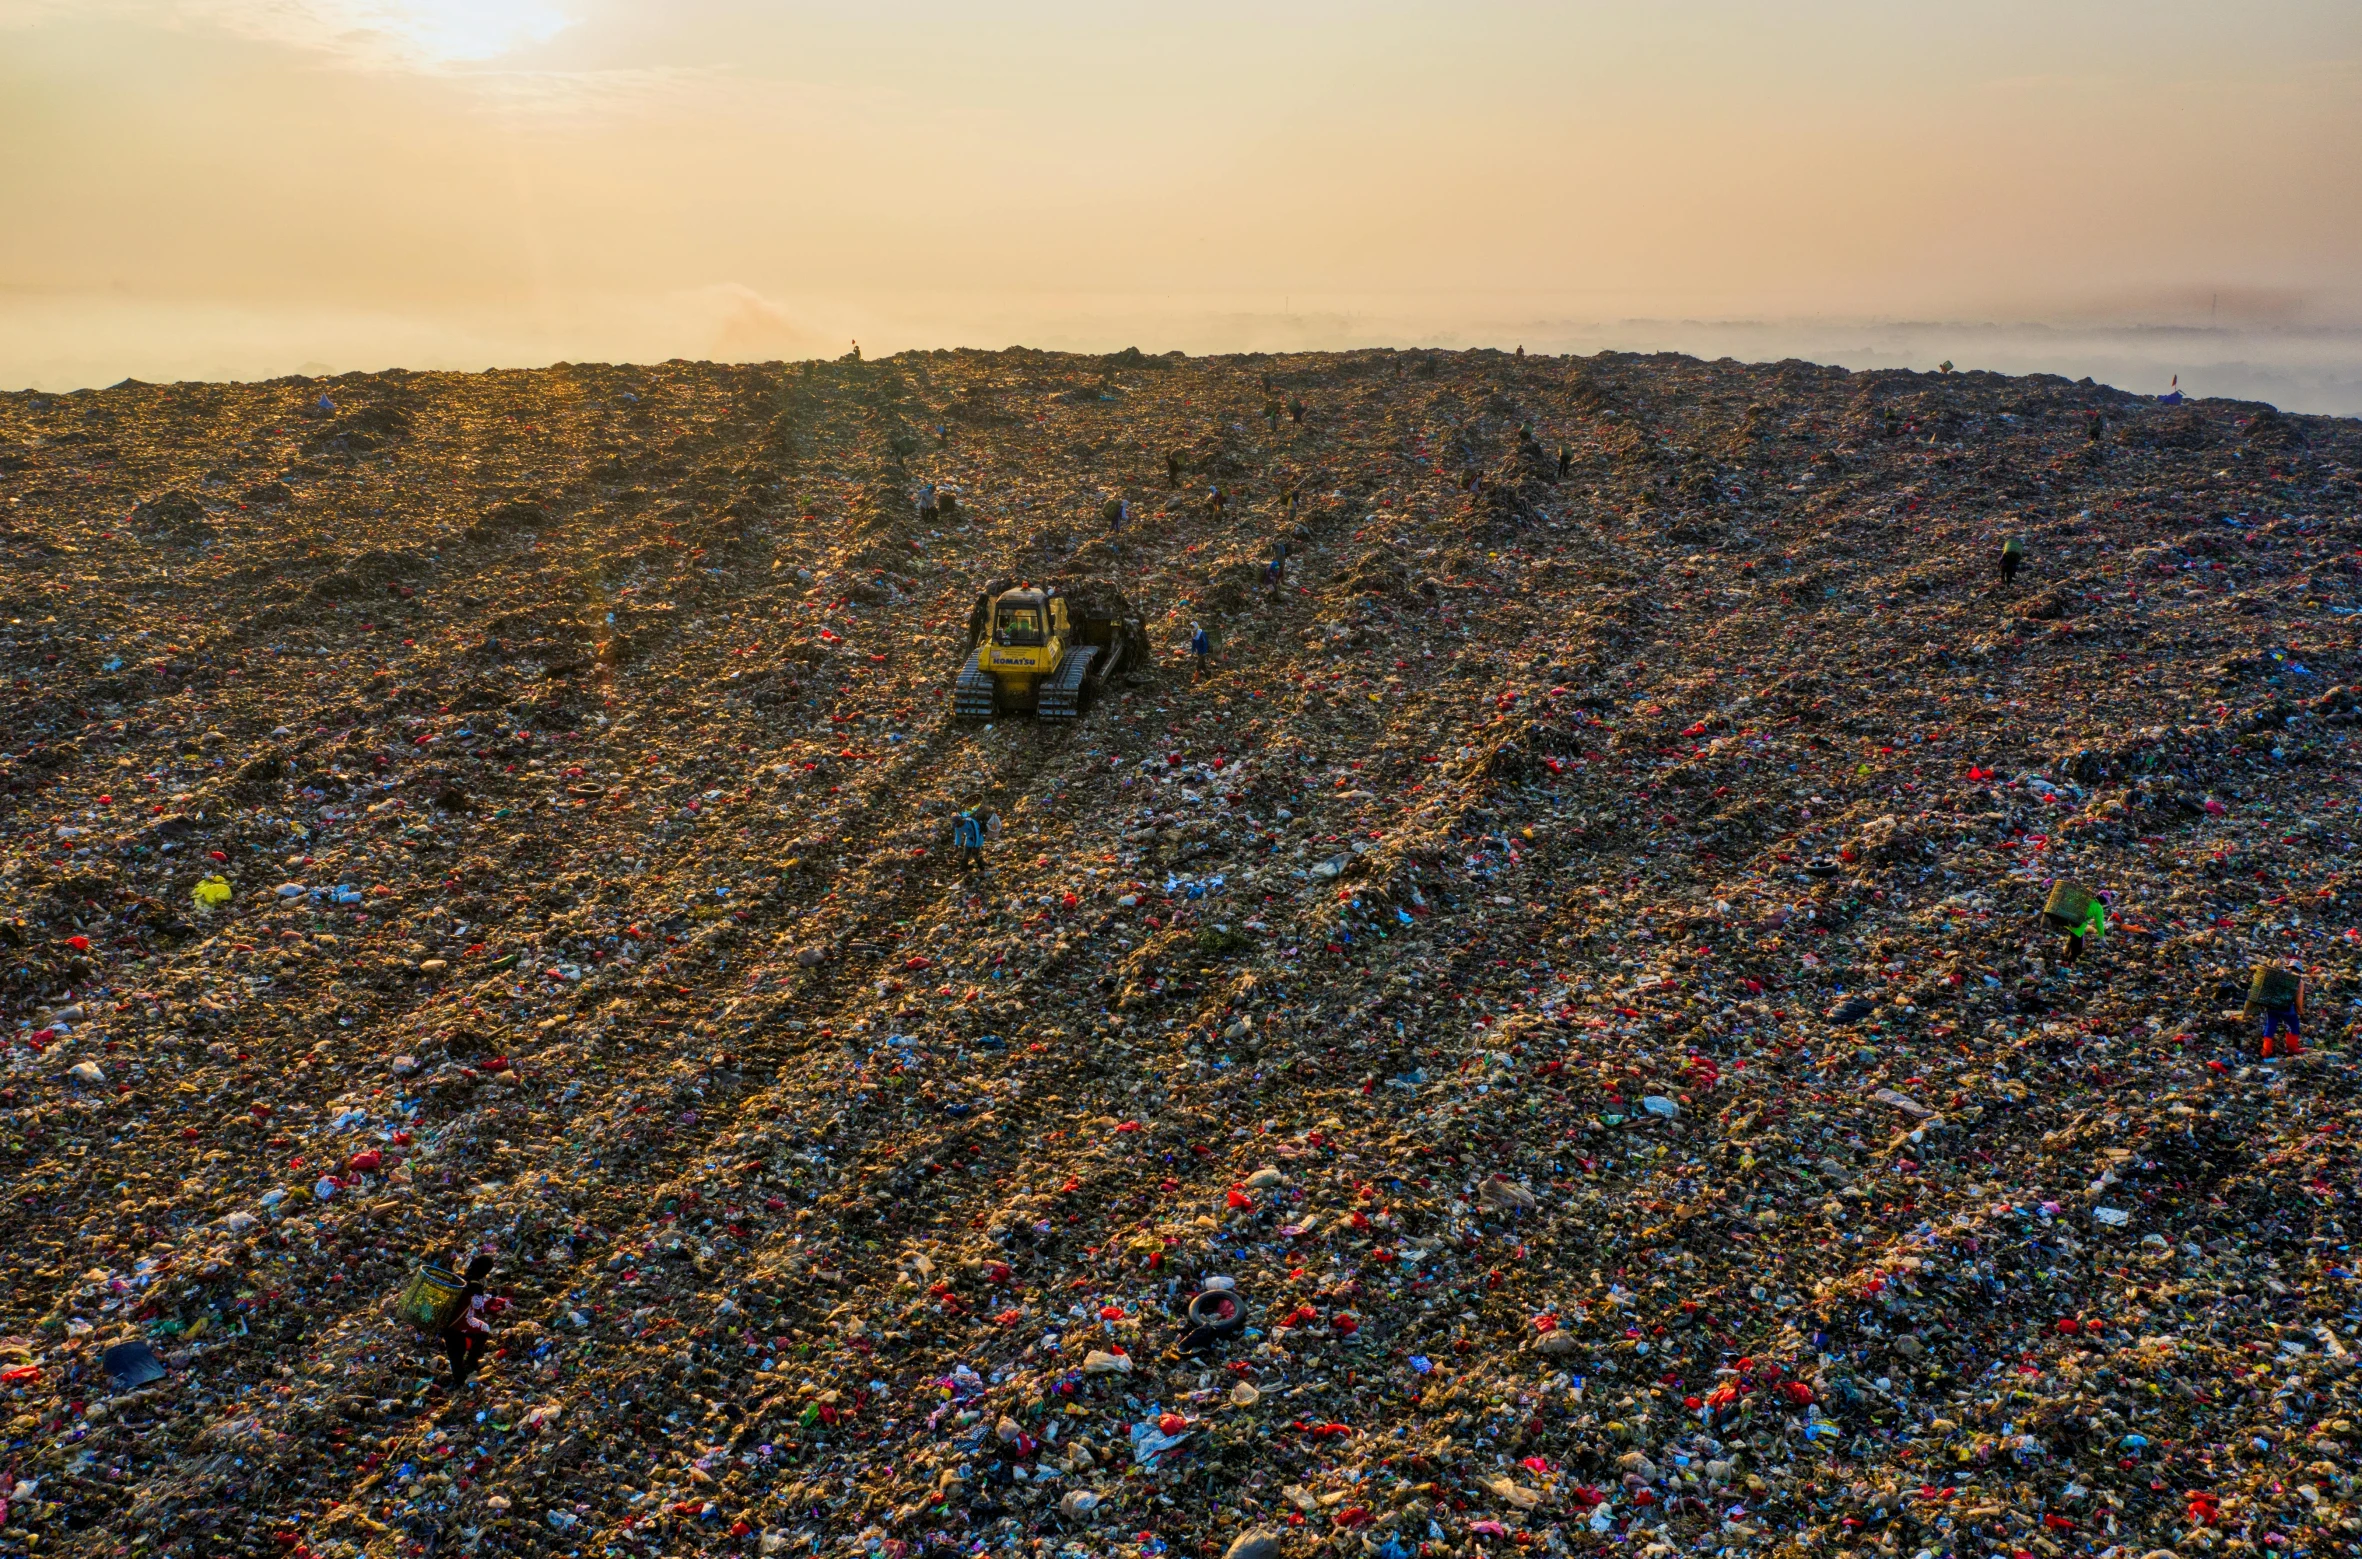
x,y
242,188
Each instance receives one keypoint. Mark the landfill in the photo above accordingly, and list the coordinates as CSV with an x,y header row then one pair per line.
x,y
1547,1040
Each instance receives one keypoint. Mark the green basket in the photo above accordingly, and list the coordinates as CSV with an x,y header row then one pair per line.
x,y
2069,905
433,1300
2274,985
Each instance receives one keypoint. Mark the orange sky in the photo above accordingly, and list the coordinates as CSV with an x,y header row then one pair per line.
x,y
260,184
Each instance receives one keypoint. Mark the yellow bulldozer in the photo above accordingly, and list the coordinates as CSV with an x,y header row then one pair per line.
x,y
1047,649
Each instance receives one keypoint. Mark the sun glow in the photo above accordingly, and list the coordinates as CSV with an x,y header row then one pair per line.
x,y
466,31
417,33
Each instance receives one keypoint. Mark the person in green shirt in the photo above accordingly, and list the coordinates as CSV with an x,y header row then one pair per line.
x,y
2013,556
2094,925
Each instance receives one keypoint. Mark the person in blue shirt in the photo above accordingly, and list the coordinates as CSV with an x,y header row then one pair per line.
x,y
968,834
1201,646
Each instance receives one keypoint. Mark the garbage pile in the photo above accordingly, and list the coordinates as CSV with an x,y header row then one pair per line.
x,y
1547,1040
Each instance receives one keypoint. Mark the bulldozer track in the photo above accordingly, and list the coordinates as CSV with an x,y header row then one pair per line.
x,y
1061,697
974,696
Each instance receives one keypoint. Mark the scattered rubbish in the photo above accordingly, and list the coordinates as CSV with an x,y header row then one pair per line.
x,y
1546,1041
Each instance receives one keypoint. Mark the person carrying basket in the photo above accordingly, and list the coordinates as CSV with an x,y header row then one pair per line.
x,y
455,1311
2076,912
2278,992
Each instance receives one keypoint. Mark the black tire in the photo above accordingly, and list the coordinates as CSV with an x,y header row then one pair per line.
x,y
1217,1312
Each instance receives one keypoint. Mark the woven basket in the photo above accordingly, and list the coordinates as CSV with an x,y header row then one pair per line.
x,y
2274,985
2069,905
433,1299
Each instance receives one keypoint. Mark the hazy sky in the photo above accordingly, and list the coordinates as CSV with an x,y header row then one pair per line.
x,y
243,186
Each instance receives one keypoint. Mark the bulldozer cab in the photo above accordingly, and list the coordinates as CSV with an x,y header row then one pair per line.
x,y
1020,617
